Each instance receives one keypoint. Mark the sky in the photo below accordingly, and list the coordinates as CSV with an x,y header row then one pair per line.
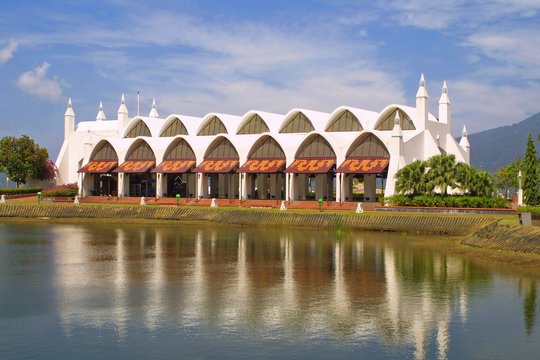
x,y
197,57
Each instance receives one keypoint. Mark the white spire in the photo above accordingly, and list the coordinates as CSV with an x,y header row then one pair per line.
x,y
69,110
464,142
422,92
123,116
100,115
69,121
396,131
444,96
153,112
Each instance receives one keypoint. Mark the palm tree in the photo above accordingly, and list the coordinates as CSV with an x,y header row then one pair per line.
x,y
442,173
410,179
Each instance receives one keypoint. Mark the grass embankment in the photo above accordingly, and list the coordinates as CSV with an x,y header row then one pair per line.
x,y
341,221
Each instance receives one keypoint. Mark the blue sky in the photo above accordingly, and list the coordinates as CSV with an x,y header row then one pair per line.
x,y
198,57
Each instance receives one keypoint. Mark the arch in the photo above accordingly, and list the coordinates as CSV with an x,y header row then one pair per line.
x,y
253,125
346,121
213,126
104,151
175,127
367,144
139,128
179,149
266,147
315,146
221,148
386,122
299,123
140,150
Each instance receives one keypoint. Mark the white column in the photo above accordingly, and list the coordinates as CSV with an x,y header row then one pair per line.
x,y
159,185
370,181
320,185
200,187
121,184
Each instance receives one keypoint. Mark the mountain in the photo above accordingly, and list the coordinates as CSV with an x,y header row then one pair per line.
x,y
491,149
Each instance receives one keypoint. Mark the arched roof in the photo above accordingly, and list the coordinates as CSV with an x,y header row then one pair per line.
x,y
187,154
366,118
230,122
367,144
391,109
312,148
103,150
140,149
153,124
272,120
215,146
316,118
262,141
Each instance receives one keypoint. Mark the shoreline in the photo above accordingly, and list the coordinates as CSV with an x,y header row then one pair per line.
x,y
489,237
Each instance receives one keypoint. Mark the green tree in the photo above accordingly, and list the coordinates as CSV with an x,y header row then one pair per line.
x,y
410,179
473,181
442,173
22,158
530,177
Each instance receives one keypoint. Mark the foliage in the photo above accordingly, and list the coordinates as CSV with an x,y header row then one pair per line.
x,y
410,179
534,210
20,191
48,171
459,201
22,158
68,190
530,176
441,172
507,176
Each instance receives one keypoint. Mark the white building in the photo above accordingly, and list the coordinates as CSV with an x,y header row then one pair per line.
x,y
301,155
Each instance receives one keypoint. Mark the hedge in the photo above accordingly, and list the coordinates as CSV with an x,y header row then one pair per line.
x,y
20,191
483,202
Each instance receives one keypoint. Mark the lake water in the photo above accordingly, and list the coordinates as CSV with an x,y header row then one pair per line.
x,y
174,291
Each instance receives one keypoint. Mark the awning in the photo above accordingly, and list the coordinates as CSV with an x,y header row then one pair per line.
x,y
135,166
311,165
364,165
260,166
174,166
216,166
98,166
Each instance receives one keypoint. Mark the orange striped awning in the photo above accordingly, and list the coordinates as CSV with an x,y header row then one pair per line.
x,y
135,166
311,165
364,165
98,166
260,166
174,166
216,166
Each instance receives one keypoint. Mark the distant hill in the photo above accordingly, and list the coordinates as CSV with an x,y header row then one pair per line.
x,y
491,149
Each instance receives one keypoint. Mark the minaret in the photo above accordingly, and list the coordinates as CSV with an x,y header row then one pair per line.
x,y
398,134
464,143
422,103
123,117
444,106
153,112
69,121
100,115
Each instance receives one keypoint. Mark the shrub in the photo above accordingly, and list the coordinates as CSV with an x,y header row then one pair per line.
x,y
534,210
68,190
447,201
19,191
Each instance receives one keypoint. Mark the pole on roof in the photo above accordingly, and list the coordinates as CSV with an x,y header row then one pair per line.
x,y
138,102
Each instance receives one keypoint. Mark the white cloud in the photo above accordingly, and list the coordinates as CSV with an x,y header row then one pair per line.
x,y
7,52
35,83
481,105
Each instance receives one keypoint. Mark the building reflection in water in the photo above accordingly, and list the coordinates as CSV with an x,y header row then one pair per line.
x,y
296,283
